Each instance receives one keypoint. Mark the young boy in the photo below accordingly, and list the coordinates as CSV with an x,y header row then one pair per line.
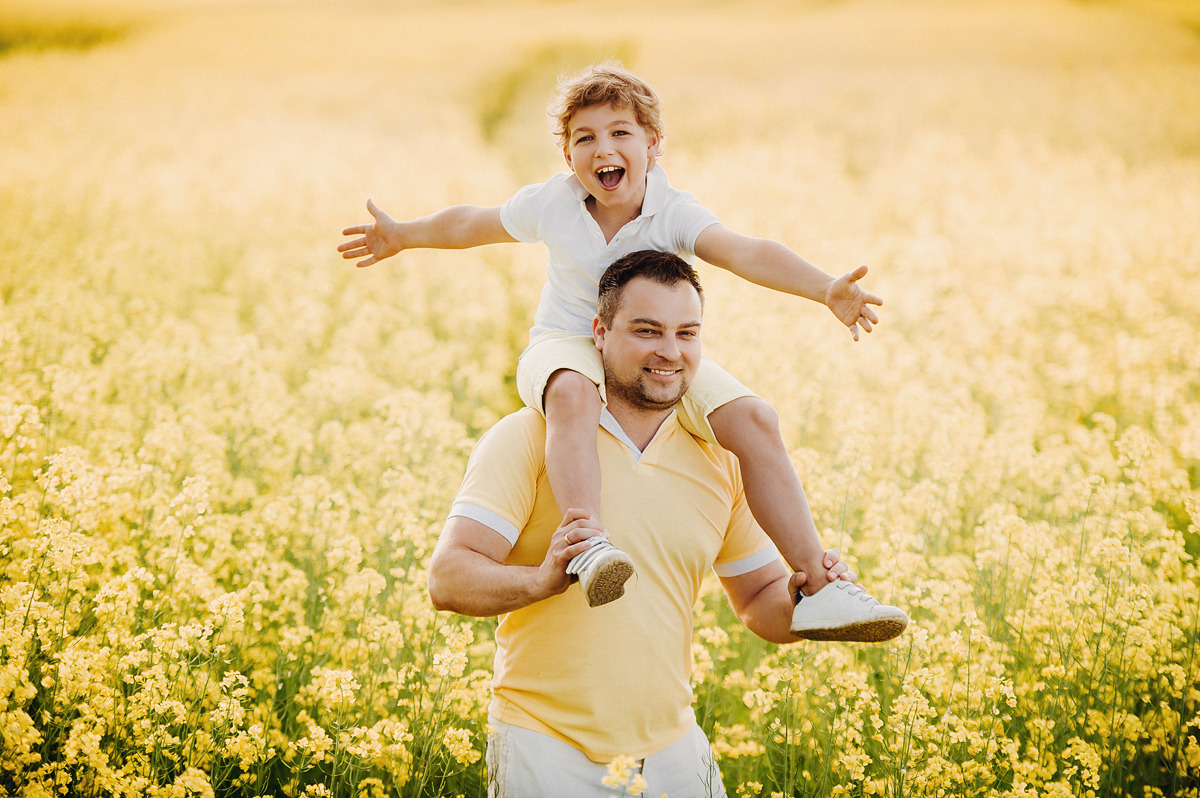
x,y
616,200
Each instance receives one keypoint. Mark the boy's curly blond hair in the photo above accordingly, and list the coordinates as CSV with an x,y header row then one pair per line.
x,y
603,84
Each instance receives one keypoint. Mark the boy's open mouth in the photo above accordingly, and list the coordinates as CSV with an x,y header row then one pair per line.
x,y
610,176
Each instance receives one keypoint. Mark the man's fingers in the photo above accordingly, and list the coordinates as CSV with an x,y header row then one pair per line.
x,y
798,580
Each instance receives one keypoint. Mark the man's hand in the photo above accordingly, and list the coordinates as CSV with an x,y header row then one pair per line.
x,y
835,568
572,538
851,304
379,240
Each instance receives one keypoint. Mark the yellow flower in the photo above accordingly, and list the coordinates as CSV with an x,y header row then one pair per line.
x,y
458,742
619,771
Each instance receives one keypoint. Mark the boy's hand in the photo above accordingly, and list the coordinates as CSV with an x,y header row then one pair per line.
x,y
379,240
851,304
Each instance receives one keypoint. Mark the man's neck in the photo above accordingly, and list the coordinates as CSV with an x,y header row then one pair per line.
x,y
641,425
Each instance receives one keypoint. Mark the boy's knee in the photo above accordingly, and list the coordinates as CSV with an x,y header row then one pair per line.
x,y
571,391
759,416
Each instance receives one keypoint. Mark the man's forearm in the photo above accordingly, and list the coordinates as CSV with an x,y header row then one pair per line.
x,y
470,583
769,613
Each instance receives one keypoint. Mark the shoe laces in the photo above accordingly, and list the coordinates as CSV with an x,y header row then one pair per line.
x,y
582,561
858,591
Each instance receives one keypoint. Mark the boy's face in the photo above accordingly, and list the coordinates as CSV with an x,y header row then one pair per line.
x,y
611,153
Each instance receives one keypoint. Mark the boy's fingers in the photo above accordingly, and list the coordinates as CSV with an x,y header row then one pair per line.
x,y
574,514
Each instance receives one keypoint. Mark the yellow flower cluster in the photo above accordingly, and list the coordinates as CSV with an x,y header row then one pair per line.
x,y
225,456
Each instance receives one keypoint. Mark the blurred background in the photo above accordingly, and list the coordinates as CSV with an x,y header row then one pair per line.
x,y
193,383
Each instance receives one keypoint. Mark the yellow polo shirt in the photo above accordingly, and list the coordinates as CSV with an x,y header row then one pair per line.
x,y
615,679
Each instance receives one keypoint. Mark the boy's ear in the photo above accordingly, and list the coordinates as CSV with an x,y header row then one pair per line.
x,y
656,146
567,156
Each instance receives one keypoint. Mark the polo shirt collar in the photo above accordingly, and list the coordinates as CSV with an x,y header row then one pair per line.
x,y
610,424
657,187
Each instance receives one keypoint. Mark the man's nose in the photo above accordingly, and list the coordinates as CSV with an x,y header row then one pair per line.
x,y
668,348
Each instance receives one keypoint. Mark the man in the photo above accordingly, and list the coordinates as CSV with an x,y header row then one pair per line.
x,y
574,687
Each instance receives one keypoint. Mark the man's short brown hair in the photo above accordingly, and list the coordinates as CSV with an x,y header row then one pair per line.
x,y
665,268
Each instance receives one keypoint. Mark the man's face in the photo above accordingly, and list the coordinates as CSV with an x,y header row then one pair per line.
x,y
652,348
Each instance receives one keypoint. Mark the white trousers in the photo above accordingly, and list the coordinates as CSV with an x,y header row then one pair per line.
x,y
525,764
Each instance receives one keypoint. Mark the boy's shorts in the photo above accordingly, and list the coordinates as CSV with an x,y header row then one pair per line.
x,y
712,386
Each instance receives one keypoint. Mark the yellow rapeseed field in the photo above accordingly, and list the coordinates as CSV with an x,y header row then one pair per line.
x,y
225,454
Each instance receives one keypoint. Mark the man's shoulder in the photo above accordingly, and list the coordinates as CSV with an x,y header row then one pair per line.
x,y
521,432
525,421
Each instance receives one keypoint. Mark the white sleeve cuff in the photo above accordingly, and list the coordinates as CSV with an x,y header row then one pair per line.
x,y
747,564
491,520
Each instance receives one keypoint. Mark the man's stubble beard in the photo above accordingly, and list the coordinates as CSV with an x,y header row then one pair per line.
x,y
635,394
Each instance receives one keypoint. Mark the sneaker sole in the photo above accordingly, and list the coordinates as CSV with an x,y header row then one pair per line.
x,y
864,632
609,584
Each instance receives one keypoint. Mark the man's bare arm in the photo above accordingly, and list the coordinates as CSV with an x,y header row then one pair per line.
x,y
468,575
765,597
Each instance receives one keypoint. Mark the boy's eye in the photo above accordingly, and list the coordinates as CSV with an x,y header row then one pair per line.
x,y
583,139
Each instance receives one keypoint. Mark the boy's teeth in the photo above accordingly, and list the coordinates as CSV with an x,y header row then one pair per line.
x,y
609,176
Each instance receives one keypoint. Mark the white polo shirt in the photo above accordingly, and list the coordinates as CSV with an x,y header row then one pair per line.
x,y
555,212
616,679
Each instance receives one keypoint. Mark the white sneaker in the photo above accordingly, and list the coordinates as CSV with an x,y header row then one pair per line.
x,y
602,571
844,611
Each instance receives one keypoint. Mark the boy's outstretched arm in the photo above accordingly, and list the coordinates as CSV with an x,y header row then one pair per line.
x,y
772,265
456,227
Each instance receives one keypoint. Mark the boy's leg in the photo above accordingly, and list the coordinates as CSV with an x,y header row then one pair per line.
x,y
572,404
749,427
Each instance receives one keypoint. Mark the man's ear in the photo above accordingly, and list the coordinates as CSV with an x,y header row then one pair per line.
x,y
598,332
